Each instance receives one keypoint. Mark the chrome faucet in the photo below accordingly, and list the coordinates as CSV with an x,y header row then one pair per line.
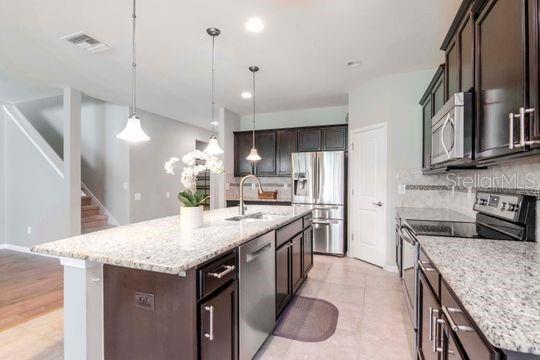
x,y
243,206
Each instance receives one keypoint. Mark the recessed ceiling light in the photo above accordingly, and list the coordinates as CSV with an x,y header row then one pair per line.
x,y
254,24
354,63
246,95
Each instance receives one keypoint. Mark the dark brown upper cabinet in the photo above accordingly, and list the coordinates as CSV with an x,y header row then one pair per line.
x,y
431,102
286,145
309,140
276,146
334,139
501,76
265,142
534,71
458,46
242,146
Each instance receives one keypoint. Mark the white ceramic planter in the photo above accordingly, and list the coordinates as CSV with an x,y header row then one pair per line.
x,y
191,217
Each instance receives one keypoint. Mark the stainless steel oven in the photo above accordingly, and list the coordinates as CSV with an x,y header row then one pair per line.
x,y
409,279
452,131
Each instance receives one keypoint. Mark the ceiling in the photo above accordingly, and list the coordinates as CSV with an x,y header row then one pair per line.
x,y
302,51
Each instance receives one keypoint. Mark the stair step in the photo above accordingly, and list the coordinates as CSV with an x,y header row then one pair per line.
x,y
94,225
86,200
86,230
89,210
94,218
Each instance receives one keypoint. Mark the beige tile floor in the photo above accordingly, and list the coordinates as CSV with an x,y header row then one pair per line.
x,y
371,324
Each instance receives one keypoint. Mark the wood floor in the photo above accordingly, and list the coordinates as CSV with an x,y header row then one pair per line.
x,y
30,286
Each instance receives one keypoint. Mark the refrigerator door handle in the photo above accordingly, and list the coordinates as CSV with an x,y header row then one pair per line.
x,y
316,179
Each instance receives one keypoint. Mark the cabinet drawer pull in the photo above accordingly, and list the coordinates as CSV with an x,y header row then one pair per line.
x,y
425,269
210,335
228,269
447,311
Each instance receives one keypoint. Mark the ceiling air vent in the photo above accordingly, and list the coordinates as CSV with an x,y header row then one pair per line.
x,y
86,42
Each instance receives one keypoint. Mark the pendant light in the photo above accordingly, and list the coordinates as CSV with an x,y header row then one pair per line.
x,y
253,154
213,145
133,131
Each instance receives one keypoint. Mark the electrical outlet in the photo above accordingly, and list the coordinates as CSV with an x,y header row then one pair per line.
x,y
285,186
29,230
253,186
137,196
126,186
227,186
168,195
402,190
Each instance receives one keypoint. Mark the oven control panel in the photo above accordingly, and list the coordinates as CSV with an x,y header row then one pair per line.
x,y
506,206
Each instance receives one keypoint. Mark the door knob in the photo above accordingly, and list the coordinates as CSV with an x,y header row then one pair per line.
x,y
377,203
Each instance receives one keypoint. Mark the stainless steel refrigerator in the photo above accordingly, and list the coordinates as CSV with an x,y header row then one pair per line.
x,y
318,178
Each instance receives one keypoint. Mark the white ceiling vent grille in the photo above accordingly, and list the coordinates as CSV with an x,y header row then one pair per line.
x,y
86,42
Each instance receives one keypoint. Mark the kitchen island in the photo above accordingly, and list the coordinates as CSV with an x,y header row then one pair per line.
x,y
141,290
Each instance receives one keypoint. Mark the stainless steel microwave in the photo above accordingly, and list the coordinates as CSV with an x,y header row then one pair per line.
x,y
452,131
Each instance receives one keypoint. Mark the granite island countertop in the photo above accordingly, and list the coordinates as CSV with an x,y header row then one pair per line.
x,y
160,245
498,283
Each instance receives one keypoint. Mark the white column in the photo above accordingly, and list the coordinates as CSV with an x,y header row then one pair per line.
x,y
72,158
228,122
83,310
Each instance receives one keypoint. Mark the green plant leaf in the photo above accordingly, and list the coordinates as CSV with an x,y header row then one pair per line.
x,y
187,199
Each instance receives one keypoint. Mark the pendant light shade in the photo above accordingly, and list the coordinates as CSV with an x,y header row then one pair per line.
x,y
133,131
253,154
213,147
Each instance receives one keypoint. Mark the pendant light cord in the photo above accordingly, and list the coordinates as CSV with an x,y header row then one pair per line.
x,y
254,109
133,66
213,84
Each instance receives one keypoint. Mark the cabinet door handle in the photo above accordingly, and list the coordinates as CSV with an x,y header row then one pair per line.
x,y
432,317
228,269
436,336
439,347
521,116
210,335
423,268
447,312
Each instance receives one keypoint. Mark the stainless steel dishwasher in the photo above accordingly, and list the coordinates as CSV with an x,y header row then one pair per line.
x,y
257,293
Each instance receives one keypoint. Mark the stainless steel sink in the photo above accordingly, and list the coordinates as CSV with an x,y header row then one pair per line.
x,y
256,217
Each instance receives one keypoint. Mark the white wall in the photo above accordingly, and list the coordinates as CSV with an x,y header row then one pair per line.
x,y
393,99
2,178
296,118
169,138
105,159
47,117
34,193
228,122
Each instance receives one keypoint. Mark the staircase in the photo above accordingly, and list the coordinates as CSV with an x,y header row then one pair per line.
x,y
91,218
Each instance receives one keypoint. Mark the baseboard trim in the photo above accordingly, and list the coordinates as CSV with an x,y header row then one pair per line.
x,y
390,268
24,249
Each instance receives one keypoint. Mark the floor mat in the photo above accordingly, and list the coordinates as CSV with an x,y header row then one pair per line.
x,y
307,319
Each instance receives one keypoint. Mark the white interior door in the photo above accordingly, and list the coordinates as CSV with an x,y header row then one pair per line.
x,y
368,169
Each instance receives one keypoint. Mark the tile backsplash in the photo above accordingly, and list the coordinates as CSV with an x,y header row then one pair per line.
x,y
281,184
456,190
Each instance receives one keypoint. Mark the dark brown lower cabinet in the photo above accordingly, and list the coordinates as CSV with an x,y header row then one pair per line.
x,y
307,250
296,257
219,325
429,314
450,349
283,279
